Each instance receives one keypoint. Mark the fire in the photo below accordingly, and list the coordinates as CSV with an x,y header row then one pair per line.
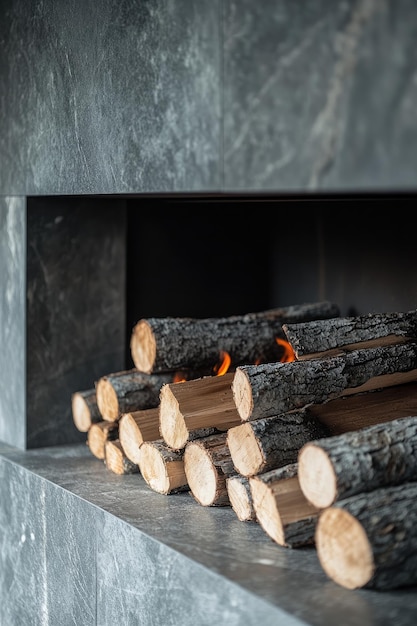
x,y
221,368
179,377
288,354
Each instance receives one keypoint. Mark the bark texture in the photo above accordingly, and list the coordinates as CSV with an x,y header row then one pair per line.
x,y
318,336
370,540
273,388
169,344
360,461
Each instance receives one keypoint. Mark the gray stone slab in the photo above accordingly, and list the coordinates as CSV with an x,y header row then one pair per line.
x,y
150,546
319,97
109,97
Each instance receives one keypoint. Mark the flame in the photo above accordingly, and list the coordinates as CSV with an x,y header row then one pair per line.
x,y
288,354
221,368
179,377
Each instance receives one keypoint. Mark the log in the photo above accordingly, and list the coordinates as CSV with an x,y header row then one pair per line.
x,y
281,508
366,409
337,467
240,496
137,427
162,468
116,460
273,388
271,442
129,390
207,465
98,434
333,336
85,411
370,540
169,344
196,408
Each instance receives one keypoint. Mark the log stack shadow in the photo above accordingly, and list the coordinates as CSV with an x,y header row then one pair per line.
x,y
319,450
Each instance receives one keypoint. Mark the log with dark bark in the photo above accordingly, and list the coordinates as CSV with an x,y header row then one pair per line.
x,y
162,468
281,507
240,496
370,540
130,390
116,460
137,427
169,344
333,336
98,434
207,465
85,411
271,442
349,413
337,467
195,409
273,388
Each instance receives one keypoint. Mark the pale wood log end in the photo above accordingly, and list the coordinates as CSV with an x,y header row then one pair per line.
x,y
143,347
316,475
244,450
242,394
107,400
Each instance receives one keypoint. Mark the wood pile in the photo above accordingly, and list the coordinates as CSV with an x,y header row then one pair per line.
x,y
318,449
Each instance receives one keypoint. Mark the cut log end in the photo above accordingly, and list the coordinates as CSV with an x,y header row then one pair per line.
x,y
267,514
81,412
130,437
240,498
97,436
143,347
343,549
244,450
172,425
201,474
107,400
116,460
153,469
316,475
242,394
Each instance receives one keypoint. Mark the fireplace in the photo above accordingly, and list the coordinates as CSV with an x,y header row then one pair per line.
x,y
192,159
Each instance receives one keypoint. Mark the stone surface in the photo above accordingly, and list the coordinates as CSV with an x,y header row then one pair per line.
x,y
102,548
12,320
109,97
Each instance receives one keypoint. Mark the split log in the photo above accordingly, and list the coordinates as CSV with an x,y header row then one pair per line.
x,y
366,409
137,427
271,442
130,390
116,460
162,468
281,507
196,408
85,411
240,496
207,465
332,336
341,466
98,434
169,344
370,540
273,388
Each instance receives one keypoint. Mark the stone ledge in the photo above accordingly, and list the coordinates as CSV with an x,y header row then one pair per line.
x,y
82,545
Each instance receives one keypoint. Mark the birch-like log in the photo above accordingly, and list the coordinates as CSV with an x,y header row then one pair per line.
x,y
85,411
337,467
240,496
207,465
126,391
370,540
116,460
196,408
137,427
98,434
274,388
169,344
326,337
162,468
281,507
271,442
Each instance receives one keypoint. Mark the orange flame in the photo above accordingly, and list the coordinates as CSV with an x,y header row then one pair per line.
x,y
221,368
179,377
288,354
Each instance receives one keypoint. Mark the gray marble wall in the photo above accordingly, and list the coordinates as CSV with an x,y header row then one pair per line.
x,y
207,96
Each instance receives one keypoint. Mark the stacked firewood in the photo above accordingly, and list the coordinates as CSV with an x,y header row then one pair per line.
x,y
311,432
